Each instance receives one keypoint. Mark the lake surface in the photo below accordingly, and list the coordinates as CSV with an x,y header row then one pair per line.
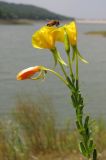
x,y
17,53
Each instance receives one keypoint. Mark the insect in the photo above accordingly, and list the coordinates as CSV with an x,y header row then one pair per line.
x,y
53,23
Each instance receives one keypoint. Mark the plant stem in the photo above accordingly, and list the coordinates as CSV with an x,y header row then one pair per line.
x,y
70,66
86,144
57,74
64,72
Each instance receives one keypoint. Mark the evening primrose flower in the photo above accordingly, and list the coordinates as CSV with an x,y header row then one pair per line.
x,y
68,35
44,38
71,32
28,73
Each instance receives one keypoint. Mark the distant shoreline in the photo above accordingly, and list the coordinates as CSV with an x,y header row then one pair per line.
x,y
30,22
85,21
17,21
25,21
96,33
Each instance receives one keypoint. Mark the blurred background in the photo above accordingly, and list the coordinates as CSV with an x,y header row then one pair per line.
x,y
36,116
18,21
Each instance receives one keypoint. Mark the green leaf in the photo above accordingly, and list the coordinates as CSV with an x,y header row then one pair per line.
x,y
94,154
73,100
82,149
91,145
87,133
80,99
78,125
86,122
71,85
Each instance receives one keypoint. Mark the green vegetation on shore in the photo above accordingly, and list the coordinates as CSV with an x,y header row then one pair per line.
x,y
17,21
32,135
12,11
98,33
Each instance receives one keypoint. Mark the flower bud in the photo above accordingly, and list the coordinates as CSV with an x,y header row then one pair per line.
x,y
28,73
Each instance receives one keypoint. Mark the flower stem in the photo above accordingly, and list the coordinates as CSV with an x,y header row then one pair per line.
x,y
65,74
77,74
77,70
55,73
70,66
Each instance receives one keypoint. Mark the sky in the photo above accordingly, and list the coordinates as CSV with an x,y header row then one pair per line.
x,y
89,9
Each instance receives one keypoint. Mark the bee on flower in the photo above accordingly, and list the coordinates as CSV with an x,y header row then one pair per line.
x,y
53,23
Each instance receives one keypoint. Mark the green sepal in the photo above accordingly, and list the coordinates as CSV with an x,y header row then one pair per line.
x,y
94,154
76,52
60,59
44,69
40,76
81,57
57,57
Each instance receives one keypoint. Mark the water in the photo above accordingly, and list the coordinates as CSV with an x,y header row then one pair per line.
x,y
17,53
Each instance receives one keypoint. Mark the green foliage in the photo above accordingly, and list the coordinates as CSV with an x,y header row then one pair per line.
x,y
94,154
33,130
21,11
97,33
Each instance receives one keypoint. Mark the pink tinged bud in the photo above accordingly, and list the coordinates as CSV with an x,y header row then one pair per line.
x,y
28,73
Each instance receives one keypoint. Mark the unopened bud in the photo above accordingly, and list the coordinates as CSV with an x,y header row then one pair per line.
x,y
66,42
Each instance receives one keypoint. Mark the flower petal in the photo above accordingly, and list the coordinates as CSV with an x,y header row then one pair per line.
x,y
44,38
71,31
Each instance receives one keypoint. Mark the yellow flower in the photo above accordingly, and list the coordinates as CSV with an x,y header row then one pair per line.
x,y
71,31
44,38
28,73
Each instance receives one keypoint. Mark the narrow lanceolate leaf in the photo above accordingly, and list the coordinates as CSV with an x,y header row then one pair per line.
x,y
78,125
71,84
82,149
74,100
81,57
86,122
94,154
91,145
